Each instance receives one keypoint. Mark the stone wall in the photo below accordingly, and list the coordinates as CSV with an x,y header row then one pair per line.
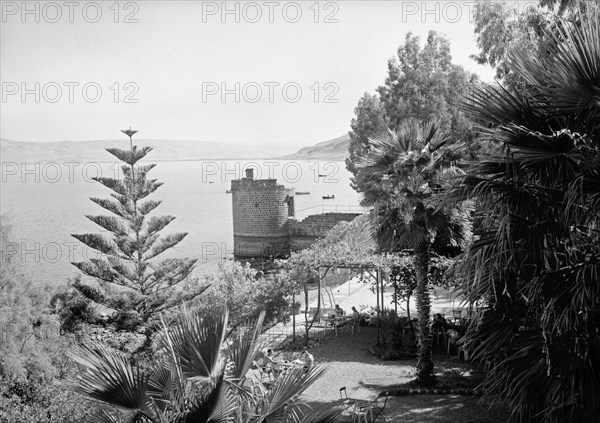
x,y
256,246
304,233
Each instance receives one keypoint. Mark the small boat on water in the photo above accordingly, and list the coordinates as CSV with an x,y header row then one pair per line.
x,y
228,191
302,193
328,197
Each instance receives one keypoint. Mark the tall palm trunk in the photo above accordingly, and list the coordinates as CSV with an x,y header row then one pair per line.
x,y
424,340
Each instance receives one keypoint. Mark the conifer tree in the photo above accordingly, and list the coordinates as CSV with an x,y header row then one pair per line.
x,y
131,279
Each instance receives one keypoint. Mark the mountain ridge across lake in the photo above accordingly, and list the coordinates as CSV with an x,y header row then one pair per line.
x,y
167,150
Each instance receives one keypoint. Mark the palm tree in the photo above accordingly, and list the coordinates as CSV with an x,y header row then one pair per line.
x,y
536,260
404,171
197,376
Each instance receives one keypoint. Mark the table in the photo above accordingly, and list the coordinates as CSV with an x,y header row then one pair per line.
x,y
363,394
335,321
293,363
364,402
284,366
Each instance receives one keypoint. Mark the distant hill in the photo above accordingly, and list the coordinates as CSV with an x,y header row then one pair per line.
x,y
164,150
336,149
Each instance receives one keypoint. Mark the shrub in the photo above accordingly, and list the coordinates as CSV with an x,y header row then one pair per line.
x,y
244,291
27,401
398,340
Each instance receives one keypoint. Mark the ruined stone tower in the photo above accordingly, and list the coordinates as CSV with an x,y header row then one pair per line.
x,y
261,209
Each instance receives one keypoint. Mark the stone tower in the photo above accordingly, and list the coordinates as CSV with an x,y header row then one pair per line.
x,y
261,209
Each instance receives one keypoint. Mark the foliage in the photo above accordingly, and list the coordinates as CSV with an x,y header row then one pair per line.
x,y
403,276
398,337
131,282
346,244
192,378
26,401
424,84
404,173
502,26
32,351
28,328
244,290
536,257
73,309
370,119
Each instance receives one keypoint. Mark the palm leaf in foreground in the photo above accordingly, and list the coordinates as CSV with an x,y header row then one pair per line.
x,y
281,397
109,377
246,346
195,341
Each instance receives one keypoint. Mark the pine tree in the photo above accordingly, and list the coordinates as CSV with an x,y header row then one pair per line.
x,y
131,281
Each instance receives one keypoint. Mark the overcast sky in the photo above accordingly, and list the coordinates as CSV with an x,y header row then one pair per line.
x,y
170,68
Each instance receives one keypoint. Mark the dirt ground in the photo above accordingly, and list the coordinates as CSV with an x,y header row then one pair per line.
x,y
349,364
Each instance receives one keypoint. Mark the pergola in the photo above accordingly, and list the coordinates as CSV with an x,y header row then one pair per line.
x,y
350,247
361,267
375,264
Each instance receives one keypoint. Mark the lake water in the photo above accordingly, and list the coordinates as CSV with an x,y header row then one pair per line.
x,y
46,202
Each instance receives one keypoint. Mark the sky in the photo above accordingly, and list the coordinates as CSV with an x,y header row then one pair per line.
x,y
272,72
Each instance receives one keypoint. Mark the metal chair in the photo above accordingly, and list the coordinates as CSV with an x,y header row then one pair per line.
x,y
355,324
362,411
451,339
264,371
352,324
379,407
457,314
344,397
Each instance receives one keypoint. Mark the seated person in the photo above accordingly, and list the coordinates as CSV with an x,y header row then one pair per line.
x,y
355,314
339,311
270,363
439,322
309,359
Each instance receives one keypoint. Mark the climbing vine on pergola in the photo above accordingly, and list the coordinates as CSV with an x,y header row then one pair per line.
x,y
340,250
345,247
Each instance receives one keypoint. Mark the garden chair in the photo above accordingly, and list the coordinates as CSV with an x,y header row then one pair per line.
x,y
457,314
264,371
352,324
437,334
348,403
362,412
452,339
379,407
355,325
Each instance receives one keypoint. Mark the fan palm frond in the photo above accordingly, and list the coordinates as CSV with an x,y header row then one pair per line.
x,y
218,405
109,377
246,346
535,258
196,342
285,390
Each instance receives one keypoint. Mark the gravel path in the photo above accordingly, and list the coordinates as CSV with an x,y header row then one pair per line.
x,y
349,364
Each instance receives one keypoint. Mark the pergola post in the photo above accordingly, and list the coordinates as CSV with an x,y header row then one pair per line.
x,y
381,282
377,276
363,268
293,315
